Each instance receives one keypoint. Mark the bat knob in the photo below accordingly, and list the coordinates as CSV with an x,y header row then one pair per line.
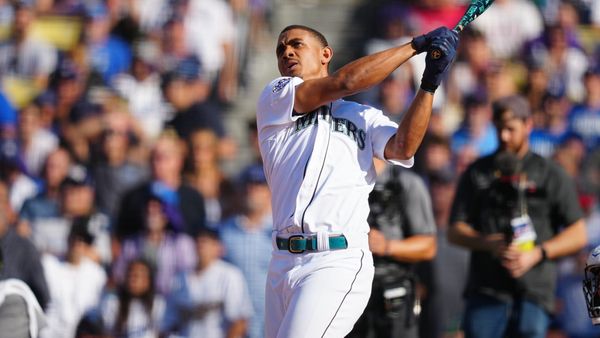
x,y
436,54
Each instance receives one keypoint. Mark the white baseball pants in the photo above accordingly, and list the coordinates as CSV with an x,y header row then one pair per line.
x,y
317,294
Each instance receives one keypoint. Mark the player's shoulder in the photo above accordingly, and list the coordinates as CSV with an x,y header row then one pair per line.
x,y
278,84
355,108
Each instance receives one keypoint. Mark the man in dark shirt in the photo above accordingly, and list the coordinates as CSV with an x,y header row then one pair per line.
x,y
517,212
20,259
165,184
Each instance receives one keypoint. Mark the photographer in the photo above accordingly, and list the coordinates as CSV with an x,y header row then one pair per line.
x,y
402,234
517,212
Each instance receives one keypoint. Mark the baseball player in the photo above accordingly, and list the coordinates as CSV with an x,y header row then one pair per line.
x,y
318,154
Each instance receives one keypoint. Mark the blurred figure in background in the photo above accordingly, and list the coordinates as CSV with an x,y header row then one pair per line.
x,y
517,212
38,209
35,142
18,256
213,21
114,172
24,56
75,283
246,239
141,88
477,129
508,24
211,301
166,162
584,118
168,251
107,55
204,173
136,309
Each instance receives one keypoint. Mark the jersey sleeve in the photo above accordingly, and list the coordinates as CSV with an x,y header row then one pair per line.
x,y
276,102
382,129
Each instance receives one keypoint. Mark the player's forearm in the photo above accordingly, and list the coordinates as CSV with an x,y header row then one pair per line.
x,y
412,128
572,239
370,70
413,249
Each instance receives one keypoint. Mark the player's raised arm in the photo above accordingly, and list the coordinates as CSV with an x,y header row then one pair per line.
x,y
404,144
304,53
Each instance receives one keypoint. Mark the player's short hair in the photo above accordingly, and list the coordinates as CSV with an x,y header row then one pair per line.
x,y
318,35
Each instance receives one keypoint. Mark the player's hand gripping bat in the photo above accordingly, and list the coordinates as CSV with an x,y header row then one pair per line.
x,y
476,8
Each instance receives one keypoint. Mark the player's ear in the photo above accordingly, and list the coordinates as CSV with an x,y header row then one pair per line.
x,y
326,55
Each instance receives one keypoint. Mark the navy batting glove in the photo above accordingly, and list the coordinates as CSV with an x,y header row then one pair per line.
x,y
422,42
440,55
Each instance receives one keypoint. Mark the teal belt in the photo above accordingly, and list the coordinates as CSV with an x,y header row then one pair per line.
x,y
298,243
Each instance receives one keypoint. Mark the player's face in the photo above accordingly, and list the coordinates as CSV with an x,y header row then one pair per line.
x,y
513,133
300,54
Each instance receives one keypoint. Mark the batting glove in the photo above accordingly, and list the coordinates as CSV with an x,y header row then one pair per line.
x,y
422,42
440,55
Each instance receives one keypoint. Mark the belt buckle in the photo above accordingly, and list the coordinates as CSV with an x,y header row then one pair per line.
x,y
292,239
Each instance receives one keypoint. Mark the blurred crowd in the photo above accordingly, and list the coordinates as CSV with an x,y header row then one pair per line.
x,y
113,142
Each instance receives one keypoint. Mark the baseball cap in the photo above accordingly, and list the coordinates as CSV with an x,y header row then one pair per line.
x,y
474,99
254,173
517,104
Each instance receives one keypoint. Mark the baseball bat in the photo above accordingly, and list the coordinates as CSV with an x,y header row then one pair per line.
x,y
475,9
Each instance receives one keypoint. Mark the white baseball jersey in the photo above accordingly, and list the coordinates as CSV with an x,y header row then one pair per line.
x,y
319,165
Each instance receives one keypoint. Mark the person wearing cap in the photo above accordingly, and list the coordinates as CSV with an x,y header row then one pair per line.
x,y
75,282
107,53
517,212
477,130
584,118
212,300
187,89
24,55
246,238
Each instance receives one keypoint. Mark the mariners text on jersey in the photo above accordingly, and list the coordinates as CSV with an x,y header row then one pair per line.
x,y
339,125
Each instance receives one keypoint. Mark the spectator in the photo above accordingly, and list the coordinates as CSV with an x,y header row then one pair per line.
x,y
45,205
49,223
206,176
584,118
517,212
564,64
246,239
35,142
446,275
211,301
108,55
213,21
136,310
20,314
141,88
19,257
551,128
402,234
508,25
169,252
75,283
477,129
187,89
114,173
167,158
25,56
469,71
